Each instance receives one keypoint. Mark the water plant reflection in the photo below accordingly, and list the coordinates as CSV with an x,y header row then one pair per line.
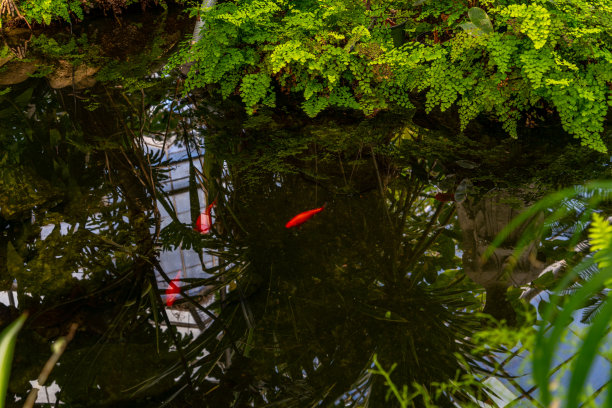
x,y
78,229
297,318
306,313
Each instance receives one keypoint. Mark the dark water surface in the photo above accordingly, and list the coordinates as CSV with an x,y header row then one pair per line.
x,y
105,168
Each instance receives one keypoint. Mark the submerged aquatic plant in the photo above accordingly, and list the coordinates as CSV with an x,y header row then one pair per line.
x,y
297,318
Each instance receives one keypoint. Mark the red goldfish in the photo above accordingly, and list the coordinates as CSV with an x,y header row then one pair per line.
x,y
173,290
303,217
204,221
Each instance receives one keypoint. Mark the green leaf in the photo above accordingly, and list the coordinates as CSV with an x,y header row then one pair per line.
x,y
545,281
588,350
466,164
480,19
430,273
546,345
608,402
8,337
463,189
14,261
24,98
471,29
54,137
500,391
6,113
542,307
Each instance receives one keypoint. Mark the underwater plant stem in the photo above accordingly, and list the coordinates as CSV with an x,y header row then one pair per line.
x,y
59,348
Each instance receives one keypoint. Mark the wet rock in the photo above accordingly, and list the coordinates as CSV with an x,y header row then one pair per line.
x,y
4,60
66,75
481,221
16,72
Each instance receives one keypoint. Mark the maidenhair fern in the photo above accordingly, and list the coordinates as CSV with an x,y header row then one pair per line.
x,y
532,20
518,58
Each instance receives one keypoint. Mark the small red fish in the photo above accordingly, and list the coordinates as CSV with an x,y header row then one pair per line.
x,y
303,217
173,290
204,221
445,197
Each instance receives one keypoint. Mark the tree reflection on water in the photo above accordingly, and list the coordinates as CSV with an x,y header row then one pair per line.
x,y
298,314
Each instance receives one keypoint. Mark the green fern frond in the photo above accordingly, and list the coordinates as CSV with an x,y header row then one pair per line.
x,y
592,310
600,235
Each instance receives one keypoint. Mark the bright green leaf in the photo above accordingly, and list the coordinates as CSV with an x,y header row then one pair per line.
x,y
8,338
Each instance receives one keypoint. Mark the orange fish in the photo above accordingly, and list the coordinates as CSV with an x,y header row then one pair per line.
x,y
173,290
444,197
204,221
303,217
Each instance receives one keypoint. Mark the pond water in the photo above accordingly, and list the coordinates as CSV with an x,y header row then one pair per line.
x,y
106,168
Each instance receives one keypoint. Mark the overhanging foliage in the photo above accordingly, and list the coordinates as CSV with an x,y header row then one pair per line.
x,y
513,61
